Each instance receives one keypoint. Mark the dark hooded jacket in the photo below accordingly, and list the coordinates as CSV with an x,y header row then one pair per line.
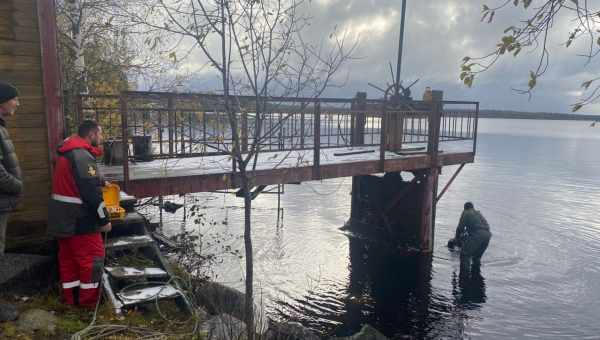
x,y
76,206
471,222
11,184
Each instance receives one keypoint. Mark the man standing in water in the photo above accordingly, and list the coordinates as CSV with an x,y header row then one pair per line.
x,y
472,234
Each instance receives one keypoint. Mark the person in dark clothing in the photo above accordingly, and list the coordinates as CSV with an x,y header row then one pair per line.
x,y
77,215
472,234
11,183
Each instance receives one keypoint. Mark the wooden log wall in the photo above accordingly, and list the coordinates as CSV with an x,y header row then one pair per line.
x,y
21,64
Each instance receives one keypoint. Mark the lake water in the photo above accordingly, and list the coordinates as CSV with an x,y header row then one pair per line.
x,y
537,183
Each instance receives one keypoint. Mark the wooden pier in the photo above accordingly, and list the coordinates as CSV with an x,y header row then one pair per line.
x,y
173,143
181,143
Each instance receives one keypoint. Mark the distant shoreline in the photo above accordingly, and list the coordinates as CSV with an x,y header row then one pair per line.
x,y
537,115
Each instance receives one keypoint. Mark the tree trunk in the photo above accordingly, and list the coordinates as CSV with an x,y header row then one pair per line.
x,y
75,13
249,308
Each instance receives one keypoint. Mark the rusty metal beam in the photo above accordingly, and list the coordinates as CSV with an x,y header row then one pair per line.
x,y
450,182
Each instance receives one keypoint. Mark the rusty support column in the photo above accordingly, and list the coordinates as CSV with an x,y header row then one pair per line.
x,y
427,228
450,182
125,139
317,141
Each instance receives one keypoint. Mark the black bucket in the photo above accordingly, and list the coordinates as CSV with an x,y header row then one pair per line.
x,y
113,152
142,147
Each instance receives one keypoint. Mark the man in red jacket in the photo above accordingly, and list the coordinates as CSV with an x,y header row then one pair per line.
x,y
77,216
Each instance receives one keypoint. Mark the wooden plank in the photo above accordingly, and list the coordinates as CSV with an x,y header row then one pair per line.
x,y
18,219
20,48
22,6
28,105
28,135
27,121
18,16
22,77
20,33
32,175
35,199
38,162
19,63
30,90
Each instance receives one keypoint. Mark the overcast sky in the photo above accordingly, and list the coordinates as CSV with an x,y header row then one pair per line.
x,y
439,33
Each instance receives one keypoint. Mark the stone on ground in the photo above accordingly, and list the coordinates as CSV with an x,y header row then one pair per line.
x,y
8,312
37,320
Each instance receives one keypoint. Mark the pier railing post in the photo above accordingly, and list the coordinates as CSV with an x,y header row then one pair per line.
x,y
383,138
359,121
170,115
427,228
317,141
244,131
125,138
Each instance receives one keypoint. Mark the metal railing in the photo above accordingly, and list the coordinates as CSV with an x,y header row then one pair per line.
x,y
191,125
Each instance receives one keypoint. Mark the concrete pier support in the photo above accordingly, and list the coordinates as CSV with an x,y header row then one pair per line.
x,y
393,209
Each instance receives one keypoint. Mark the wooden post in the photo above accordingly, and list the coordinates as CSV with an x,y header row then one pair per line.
x,y
244,132
358,138
125,138
360,120
383,139
170,114
317,141
429,195
302,127
394,133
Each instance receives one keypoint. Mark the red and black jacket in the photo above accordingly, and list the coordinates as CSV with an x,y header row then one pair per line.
x,y
76,206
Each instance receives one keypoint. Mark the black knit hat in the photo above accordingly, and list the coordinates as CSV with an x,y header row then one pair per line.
x,y
7,92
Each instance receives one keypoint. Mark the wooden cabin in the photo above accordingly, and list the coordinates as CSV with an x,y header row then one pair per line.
x,y
28,59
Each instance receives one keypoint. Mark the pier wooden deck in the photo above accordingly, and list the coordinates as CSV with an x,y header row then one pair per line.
x,y
302,139
211,173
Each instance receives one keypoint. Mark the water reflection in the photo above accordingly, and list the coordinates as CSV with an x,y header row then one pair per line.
x,y
388,291
469,288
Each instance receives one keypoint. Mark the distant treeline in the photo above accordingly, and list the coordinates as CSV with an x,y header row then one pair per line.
x,y
536,115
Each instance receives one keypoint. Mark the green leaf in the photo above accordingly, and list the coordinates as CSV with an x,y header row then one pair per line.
x,y
532,80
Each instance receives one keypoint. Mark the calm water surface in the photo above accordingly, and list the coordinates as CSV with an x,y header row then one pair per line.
x,y
537,183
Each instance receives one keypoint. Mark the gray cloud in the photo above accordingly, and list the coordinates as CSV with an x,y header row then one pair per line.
x,y
439,33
